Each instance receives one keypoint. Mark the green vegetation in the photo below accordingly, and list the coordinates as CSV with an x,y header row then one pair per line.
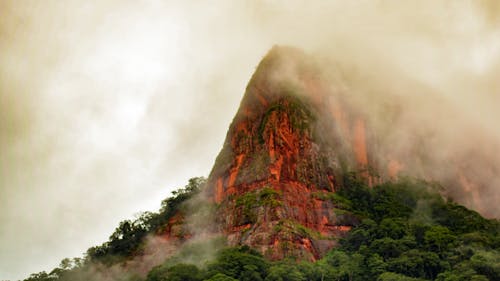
x,y
127,240
262,126
407,231
292,228
250,201
269,197
414,233
339,201
129,235
256,168
296,109
301,116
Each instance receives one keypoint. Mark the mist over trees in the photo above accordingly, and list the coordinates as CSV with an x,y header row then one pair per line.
x,y
405,230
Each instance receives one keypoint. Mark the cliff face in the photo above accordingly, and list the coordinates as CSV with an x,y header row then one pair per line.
x,y
290,143
282,160
284,157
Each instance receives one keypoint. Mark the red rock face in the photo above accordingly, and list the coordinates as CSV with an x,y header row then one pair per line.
x,y
175,228
282,159
286,150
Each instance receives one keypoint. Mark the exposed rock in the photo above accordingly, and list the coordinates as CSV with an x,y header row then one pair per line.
x,y
284,154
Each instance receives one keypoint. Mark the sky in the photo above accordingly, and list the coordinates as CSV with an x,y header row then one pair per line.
x,y
108,106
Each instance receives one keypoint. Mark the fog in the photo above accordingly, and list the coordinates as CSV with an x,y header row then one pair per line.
x,y
107,106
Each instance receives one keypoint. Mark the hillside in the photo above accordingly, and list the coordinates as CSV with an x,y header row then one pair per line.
x,y
406,231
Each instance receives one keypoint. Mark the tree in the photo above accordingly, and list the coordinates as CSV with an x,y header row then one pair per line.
x,y
234,262
284,272
487,264
438,238
416,263
221,277
250,273
392,228
345,266
376,265
178,272
391,276
41,276
388,247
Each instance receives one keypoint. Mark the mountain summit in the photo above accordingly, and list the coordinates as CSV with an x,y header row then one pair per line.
x,y
284,156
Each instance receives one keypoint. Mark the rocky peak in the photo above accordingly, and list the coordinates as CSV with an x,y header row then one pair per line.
x,y
282,160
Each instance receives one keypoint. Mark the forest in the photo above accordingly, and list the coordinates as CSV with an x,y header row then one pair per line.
x,y
406,230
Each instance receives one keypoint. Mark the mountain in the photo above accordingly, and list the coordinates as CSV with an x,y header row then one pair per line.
x,y
291,144
299,178
285,151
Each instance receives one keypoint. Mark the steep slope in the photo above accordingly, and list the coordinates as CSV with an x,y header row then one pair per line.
x,y
285,152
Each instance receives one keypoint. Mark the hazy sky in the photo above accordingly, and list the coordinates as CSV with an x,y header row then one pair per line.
x,y
106,106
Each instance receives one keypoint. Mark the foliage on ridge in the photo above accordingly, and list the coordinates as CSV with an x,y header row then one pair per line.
x,y
407,231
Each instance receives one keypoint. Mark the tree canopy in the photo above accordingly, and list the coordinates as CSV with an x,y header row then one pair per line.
x,y
405,230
